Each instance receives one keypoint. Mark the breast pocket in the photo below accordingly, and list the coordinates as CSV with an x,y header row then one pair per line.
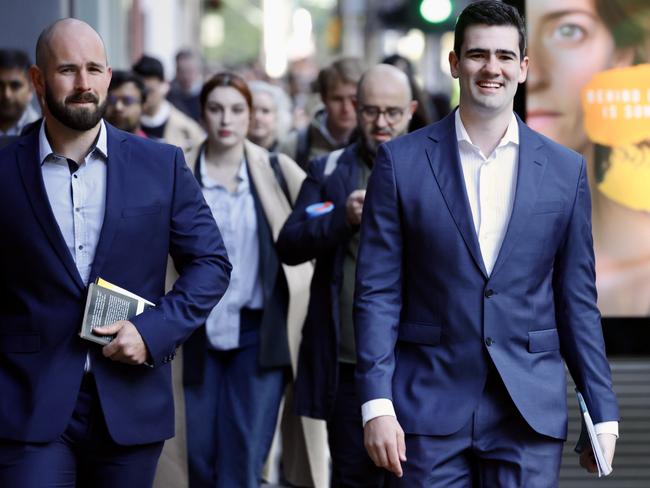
x,y
548,207
141,210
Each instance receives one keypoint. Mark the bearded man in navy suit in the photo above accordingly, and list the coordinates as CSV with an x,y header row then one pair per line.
x,y
475,283
80,199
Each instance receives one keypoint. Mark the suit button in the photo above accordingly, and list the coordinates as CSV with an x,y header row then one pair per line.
x,y
488,293
489,341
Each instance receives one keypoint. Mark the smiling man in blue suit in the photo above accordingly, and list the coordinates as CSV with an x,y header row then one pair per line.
x,y
475,280
80,199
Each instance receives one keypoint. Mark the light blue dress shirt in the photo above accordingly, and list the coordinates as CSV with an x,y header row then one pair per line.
x,y
235,215
78,200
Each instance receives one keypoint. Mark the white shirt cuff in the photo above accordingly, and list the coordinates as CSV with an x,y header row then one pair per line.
x,y
376,408
607,428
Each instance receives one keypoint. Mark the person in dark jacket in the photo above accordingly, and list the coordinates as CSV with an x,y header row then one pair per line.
x,y
329,233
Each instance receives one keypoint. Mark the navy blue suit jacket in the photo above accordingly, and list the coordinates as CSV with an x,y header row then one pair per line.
x,y
428,317
324,238
153,208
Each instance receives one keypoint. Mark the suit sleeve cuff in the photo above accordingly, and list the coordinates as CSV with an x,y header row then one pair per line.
x,y
376,408
605,428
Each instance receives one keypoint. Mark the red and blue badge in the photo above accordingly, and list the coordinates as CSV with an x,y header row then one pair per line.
x,y
319,208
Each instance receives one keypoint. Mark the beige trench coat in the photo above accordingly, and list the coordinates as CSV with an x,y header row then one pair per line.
x,y
172,468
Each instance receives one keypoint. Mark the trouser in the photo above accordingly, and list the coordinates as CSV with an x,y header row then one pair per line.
x,y
84,456
351,465
496,448
231,415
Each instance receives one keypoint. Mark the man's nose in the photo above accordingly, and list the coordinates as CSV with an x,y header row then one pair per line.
x,y
5,91
492,65
381,120
81,80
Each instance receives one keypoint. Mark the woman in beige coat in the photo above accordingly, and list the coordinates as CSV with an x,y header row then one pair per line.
x,y
236,366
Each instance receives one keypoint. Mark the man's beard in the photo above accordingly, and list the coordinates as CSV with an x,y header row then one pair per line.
x,y
79,119
12,112
125,125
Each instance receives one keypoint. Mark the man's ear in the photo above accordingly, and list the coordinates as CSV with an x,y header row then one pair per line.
x,y
165,88
413,106
453,64
36,75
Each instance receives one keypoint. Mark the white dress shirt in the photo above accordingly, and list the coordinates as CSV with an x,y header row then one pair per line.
x,y
490,182
235,215
78,199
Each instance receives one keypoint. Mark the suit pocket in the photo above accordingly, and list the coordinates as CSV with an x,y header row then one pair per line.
x,y
543,340
426,334
548,207
144,210
20,343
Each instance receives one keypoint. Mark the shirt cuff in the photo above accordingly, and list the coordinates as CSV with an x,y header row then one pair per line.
x,y
376,408
607,428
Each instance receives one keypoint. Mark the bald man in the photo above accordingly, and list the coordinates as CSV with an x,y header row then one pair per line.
x,y
325,382
79,200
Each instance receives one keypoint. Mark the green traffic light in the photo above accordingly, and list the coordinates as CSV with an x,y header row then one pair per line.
x,y
436,11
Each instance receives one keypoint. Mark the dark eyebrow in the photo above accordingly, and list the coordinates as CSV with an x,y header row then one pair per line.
x,y
91,64
507,51
477,50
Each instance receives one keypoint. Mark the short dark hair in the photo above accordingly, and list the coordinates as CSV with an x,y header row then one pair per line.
x,y
149,67
14,59
121,77
226,78
493,13
187,53
346,70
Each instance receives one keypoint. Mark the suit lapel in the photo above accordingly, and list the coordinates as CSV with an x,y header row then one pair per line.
x,y
445,162
116,178
32,176
532,162
345,178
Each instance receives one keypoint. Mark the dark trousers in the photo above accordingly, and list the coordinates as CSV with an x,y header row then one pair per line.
x,y
351,465
496,448
84,456
231,415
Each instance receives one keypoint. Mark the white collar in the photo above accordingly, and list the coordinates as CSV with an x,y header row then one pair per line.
x,y
45,149
159,118
511,135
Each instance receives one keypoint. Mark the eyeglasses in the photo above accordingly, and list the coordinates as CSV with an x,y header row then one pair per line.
x,y
126,100
371,113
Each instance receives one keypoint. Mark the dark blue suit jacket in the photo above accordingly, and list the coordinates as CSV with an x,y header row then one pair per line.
x,y
324,238
429,319
153,208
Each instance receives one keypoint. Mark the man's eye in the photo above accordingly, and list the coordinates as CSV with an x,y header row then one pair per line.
x,y
393,112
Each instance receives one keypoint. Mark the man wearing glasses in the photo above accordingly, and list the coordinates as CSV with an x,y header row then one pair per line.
x,y
325,226
126,94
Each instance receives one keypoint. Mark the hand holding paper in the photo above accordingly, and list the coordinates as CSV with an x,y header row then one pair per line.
x,y
608,445
596,450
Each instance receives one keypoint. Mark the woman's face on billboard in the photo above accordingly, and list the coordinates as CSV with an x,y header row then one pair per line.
x,y
568,44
